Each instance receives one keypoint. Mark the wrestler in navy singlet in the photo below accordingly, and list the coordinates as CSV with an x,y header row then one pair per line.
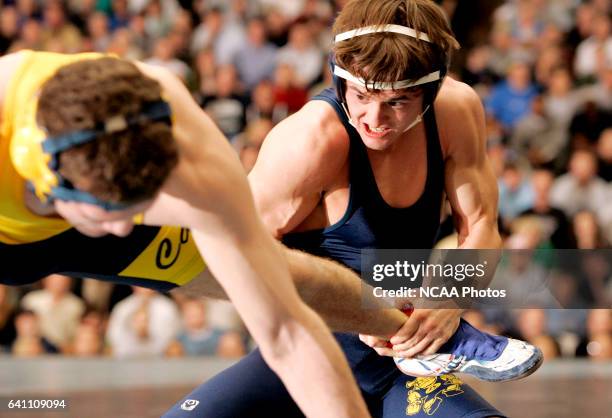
x,y
251,389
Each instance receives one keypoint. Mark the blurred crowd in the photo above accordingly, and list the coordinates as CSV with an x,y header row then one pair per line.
x,y
543,69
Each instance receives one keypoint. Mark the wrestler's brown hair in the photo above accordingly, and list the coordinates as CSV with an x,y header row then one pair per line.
x,y
124,166
387,56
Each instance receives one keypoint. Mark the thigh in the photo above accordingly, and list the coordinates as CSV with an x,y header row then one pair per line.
x,y
442,397
247,389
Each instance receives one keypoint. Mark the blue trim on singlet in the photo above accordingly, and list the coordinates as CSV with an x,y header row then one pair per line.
x,y
369,222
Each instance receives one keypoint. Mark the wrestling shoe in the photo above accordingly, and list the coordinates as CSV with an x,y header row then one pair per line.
x,y
487,357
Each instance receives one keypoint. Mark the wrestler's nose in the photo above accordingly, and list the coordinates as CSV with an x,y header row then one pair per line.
x,y
375,114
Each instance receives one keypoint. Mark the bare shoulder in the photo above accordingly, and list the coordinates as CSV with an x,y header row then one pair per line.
x,y
460,117
314,132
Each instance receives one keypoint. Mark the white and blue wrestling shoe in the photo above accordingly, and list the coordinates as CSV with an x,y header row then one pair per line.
x,y
473,352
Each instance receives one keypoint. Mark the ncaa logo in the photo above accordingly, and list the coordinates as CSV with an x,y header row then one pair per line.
x,y
189,405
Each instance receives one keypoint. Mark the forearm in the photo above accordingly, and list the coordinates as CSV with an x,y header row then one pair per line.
x,y
313,368
336,293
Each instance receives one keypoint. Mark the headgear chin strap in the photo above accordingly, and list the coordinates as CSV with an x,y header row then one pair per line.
x,y
36,158
340,73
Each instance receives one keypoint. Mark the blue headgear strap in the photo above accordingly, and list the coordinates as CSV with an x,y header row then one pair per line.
x,y
55,145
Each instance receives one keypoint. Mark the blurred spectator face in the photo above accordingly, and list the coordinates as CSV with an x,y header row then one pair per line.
x,y
182,22
26,325
256,32
519,76
531,323
163,49
30,33
601,27
120,7
8,22
542,181
137,25
87,341
57,285
586,230
584,19
606,78
551,36
194,315
537,105
205,62
560,82
263,96
604,145
226,80
478,59
275,22
299,36
583,166
121,42
599,321
97,24
512,178
213,21
26,7
284,76
54,15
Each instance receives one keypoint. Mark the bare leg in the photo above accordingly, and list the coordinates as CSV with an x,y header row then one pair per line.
x,y
331,289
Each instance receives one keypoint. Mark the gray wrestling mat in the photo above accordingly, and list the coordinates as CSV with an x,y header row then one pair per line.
x,y
105,388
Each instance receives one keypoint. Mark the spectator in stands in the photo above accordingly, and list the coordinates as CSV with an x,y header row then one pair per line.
x,y
594,53
555,225
580,188
142,325
263,104
98,30
58,309
302,54
227,105
515,193
256,59
199,338
9,27
249,143
29,341
56,28
164,55
289,93
510,100
604,155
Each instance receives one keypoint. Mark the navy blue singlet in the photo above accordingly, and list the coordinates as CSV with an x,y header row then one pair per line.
x,y
369,222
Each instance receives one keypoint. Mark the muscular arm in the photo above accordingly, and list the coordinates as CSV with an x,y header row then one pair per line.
x,y
472,192
208,193
470,183
300,158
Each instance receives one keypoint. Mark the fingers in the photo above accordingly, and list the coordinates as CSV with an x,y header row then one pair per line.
x,y
379,345
407,330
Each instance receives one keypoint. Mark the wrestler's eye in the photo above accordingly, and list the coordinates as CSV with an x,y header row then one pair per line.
x,y
396,103
361,97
